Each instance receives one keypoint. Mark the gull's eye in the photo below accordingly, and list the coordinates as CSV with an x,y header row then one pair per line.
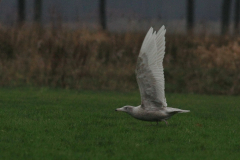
x,y
126,108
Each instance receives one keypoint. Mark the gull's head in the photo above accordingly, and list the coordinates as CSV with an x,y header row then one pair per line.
x,y
127,109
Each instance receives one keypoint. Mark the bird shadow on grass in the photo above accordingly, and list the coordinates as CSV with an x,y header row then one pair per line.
x,y
160,124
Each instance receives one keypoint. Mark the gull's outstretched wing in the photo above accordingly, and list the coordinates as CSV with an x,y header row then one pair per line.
x,y
149,70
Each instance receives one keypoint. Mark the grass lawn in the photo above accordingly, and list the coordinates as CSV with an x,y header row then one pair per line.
x,y
69,124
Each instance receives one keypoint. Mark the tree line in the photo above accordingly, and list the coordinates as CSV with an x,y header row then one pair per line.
x,y
190,7
37,11
225,15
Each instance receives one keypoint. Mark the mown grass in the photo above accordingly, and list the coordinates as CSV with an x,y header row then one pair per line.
x,y
70,124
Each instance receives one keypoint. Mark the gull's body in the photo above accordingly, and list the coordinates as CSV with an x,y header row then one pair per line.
x,y
150,78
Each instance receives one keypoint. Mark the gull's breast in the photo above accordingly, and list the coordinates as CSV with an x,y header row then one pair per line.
x,y
146,115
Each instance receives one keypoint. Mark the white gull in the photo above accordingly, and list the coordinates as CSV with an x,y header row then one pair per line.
x,y
150,78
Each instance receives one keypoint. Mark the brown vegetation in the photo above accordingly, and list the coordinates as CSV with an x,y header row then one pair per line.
x,y
85,59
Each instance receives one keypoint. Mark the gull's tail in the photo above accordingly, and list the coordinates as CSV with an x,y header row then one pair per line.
x,y
176,110
184,111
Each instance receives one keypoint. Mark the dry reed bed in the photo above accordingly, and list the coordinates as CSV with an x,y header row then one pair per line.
x,y
85,59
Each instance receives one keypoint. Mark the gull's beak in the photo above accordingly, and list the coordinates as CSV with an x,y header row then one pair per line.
x,y
119,109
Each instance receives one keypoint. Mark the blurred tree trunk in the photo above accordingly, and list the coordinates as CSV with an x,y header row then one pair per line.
x,y
226,5
190,15
102,14
236,16
21,11
38,11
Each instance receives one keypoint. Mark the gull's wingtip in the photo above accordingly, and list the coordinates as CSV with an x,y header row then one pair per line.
x,y
163,28
150,29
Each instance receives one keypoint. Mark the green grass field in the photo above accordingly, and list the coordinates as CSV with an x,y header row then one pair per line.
x,y
69,124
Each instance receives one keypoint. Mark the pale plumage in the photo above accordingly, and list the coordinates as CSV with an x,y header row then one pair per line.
x,y
150,79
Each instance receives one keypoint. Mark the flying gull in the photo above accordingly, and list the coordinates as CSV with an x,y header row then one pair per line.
x,y
150,79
